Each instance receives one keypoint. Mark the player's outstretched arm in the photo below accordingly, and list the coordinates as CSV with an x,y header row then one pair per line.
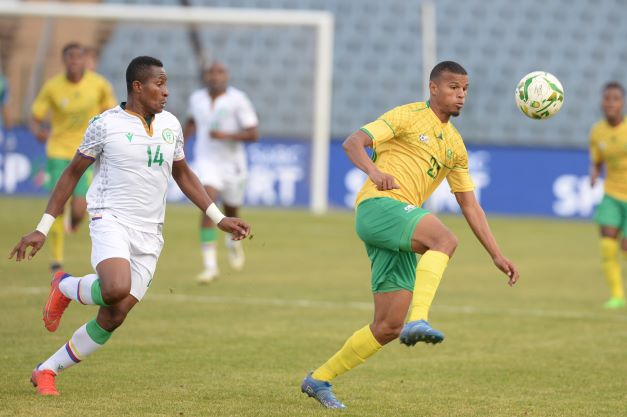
x,y
189,183
60,195
355,147
476,218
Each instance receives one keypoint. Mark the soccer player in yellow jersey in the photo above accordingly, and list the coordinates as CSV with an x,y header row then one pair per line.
x,y
71,99
608,146
415,148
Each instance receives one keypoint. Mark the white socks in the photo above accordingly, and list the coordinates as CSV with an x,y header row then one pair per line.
x,y
78,289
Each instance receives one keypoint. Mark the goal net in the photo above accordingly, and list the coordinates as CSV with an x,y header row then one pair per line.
x,y
282,59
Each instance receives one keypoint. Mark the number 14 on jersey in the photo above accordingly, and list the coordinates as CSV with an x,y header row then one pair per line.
x,y
158,158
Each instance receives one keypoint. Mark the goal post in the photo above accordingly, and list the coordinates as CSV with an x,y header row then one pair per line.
x,y
321,21
429,44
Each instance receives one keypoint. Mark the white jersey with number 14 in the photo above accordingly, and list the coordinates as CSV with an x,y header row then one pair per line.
x,y
133,165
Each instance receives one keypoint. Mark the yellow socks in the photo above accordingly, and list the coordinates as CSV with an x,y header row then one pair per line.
x,y
359,347
362,344
57,238
428,275
611,266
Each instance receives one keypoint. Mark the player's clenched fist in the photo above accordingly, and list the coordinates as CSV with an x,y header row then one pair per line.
x,y
384,181
237,227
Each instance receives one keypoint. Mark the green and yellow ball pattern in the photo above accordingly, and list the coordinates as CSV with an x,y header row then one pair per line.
x,y
539,95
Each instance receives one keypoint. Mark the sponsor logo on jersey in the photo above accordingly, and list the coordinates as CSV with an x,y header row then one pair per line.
x,y
424,138
449,153
129,136
409,207
168,135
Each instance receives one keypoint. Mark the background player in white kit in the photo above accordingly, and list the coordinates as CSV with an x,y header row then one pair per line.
x,y
223,118
137,147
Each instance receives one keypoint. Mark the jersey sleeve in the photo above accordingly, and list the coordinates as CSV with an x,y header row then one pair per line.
x,y
107,99
595,152
94,139
246,115
459,177
41,106
179,147
385,127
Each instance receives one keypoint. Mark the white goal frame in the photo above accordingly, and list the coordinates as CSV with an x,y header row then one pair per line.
x,y
321,21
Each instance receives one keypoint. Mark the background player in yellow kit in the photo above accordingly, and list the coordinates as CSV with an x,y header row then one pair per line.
x,y
414,149
71,99
608,146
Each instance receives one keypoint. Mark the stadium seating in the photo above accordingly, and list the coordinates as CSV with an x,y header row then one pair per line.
x,y
378,58
172,47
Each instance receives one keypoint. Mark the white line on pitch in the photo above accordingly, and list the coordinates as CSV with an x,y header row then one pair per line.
x,y
357,305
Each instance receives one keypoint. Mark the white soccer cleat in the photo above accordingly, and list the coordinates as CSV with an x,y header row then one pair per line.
x,y
235,254
207,276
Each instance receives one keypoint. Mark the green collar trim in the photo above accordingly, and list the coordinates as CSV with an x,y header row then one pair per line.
x,y
148,119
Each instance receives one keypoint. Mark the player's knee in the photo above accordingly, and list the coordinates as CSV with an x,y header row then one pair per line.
x,y
446,243
386,331
115,292
453,242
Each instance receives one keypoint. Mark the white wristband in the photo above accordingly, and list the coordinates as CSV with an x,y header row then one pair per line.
x,y
45,224
214,213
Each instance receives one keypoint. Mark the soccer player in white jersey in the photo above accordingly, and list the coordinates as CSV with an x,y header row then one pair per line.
x,y
137,147
223,119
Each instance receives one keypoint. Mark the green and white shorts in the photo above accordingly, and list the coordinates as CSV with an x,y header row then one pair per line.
x,y
386,227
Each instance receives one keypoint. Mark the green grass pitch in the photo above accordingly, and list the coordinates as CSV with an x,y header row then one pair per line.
x,y
241,346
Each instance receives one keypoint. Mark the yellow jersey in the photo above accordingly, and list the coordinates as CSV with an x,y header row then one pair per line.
x,y
71,106
608,145
413,145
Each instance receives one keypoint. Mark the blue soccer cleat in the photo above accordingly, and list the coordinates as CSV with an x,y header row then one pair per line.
x,y
420,331
321,391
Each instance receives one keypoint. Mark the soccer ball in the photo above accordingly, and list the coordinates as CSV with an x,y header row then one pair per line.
x,y
539,95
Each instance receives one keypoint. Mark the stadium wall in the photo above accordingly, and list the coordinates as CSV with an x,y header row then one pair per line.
x,y
511,181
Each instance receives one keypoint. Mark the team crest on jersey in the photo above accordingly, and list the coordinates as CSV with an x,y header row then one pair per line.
x,y
449,154
168,135
424,138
